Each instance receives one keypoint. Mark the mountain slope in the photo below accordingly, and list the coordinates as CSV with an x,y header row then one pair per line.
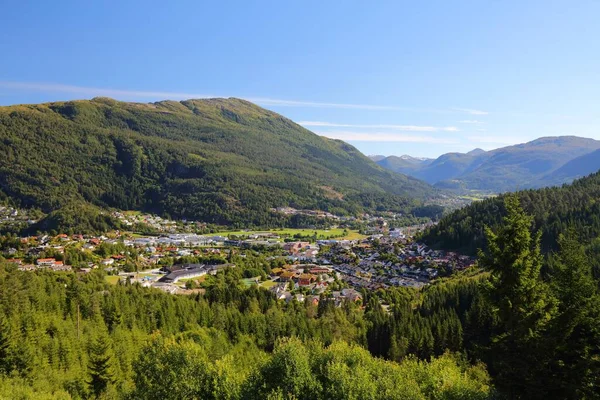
x,y
218,160
576,168
554,209
534,164
403,164
526,165
449,166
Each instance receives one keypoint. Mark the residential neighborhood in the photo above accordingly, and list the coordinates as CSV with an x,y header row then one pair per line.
x,y
311,265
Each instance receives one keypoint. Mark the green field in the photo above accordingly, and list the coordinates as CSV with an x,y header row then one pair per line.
x,y
112,279
268,284
249,281
321,233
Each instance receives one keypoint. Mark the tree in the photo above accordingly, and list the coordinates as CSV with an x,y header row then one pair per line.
x,y
100,365
521,303
575,332
6,342
168,370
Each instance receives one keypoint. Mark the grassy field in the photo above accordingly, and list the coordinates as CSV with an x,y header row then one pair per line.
x,y
249,281
321,233
268,284
112,279
181,282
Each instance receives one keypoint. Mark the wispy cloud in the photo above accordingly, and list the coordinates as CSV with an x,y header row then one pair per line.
x,y
384,137
470,121
88,91
408,128
162,95
499,140
471,111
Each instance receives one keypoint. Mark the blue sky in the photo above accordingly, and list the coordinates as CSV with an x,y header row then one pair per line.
x,y
391,77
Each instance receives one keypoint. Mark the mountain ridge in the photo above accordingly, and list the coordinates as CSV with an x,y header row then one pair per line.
x,y
533,164
218,160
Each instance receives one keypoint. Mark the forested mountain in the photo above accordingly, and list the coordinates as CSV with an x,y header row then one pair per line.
x,y
554,210
542,162
225,161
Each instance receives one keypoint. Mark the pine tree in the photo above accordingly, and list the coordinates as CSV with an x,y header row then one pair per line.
x,y
521,303
5,346
100,365
575,333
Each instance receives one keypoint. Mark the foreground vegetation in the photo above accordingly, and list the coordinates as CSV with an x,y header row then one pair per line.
x,y
62,336
523,327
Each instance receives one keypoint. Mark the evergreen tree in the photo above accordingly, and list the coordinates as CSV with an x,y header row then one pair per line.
x,y
575,333
521,303
5,346
100,365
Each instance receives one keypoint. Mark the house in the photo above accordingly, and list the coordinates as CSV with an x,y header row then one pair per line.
x,y
45,262
287,276
60,266
294,247
320,270
306,279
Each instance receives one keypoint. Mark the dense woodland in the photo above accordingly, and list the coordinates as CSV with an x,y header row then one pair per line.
x,y
62,335
524,326
554,210
223,161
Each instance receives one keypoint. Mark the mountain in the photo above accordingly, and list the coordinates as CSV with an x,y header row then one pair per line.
x,y
376,157
578,167
404,164
534,164
224,161
476,152
448,166
555,209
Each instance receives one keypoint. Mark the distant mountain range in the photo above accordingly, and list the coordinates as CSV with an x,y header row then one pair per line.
x,y
225,161
543,162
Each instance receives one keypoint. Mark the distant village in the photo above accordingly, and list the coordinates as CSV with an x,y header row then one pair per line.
x,y
337,267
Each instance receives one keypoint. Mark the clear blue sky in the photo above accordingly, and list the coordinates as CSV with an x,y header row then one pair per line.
x,y
415,77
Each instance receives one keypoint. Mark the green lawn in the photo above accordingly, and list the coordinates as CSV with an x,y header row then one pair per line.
x,y
112,279
268,284
249,281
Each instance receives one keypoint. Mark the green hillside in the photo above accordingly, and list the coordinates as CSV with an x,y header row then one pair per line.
x,y
224,161
554,210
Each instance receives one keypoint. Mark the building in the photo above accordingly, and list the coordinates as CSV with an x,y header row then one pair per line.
x,y
45,262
